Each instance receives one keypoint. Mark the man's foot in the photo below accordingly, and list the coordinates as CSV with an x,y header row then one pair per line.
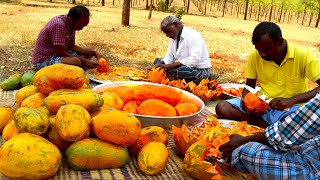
x,y
213,77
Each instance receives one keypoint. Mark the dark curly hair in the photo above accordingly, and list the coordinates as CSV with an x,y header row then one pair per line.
x,y
263,28
78,11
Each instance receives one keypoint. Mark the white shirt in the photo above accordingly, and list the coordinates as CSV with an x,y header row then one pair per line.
x,y
192,50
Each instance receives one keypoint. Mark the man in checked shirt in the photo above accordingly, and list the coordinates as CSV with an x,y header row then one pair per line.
x,y
288,149
56,41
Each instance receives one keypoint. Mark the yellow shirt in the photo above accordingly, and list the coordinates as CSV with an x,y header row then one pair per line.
x,y
288,79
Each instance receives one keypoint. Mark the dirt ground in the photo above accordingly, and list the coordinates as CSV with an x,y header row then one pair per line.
x,y
228,39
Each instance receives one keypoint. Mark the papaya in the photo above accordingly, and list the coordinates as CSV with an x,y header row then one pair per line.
x,y
73,122
35,100
153,158
29,156
12,82
186,109
71,90
199,160
44,110
59,76
53,136
90,101
148,134
157,75
126,93
117,127
94,154
9,131
131,107
27,78
6,115
25,92
111,100
254,105
166,94
156,107
31,120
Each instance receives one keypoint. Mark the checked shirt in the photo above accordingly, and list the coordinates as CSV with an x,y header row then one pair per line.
x,y
295,151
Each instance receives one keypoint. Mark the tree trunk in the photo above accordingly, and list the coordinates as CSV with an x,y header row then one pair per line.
x,y
284,16
73,1
231,8
147,4
224,7
259,12
246,11
150,9
304,15
251,7
205,7
318,19
125,13
167,4
270,15
102,2
279,20
188,6
310,20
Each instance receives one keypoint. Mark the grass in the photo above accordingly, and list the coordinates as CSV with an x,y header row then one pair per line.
x,y
228,39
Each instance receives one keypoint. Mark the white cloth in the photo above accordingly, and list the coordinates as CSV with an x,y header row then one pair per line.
x,y
192,50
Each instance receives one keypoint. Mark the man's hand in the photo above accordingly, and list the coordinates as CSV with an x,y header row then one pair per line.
x,y
166,67
280,103
236,140
89,63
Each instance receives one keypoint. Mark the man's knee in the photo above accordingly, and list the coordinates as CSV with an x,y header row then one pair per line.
x,y
222,108
72,61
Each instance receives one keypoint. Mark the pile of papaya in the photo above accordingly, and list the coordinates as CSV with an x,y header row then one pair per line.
x,y
58,117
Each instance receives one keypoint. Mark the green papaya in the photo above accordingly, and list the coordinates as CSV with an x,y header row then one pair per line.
x,y
27,78
12,82
94,154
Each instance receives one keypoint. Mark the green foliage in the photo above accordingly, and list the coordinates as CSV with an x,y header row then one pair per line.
x,y
162,6
180,12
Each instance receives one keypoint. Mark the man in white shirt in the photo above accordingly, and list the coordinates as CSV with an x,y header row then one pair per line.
x,y
187,57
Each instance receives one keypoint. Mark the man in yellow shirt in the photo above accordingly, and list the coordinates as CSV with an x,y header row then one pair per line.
x,y
282,70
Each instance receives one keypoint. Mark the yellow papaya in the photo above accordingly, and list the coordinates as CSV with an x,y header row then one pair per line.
x,y
148,134
93,154
9,131
35,100
73,122
90,101
25,92
153,158
71,90
6,115
111,100
59,76
29,156
117,127
31,120
53,136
